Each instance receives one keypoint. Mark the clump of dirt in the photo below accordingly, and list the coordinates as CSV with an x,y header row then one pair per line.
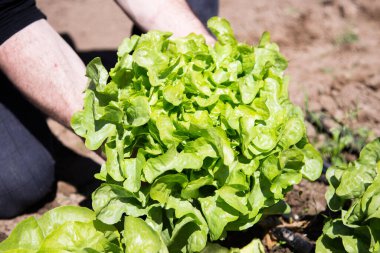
x,y
3,236
307,199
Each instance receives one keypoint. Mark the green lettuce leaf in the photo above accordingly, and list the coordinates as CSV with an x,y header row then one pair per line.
x,y
139,237
356,185
63,229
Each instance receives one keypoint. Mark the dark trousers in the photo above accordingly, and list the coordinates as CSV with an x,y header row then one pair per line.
x,y
26,169
32,159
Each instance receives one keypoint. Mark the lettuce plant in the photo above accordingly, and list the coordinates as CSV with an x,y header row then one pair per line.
x,y
199,139
63,229
356,185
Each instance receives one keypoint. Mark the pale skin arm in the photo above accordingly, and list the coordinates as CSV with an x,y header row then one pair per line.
x,y
165,15
45,69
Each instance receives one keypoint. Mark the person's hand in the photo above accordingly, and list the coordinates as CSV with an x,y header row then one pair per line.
x,y
165,15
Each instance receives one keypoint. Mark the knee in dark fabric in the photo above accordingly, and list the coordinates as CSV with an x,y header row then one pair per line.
x,y
26,167
29,190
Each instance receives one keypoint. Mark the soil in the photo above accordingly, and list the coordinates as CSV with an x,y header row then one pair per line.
x,y
332,48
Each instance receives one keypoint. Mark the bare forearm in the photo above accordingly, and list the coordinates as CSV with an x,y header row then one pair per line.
x,y
46,70
166,15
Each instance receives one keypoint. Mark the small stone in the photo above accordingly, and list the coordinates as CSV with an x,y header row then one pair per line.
x,y
310,130
66,188
329,104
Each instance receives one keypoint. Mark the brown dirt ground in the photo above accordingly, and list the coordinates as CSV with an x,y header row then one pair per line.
x,y
334,63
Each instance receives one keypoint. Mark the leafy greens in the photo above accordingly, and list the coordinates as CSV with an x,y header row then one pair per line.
x,y
63,229
358,185
199,139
